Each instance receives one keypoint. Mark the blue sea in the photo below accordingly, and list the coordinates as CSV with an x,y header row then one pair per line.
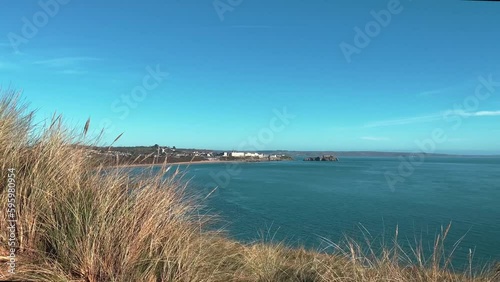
x,y
316,203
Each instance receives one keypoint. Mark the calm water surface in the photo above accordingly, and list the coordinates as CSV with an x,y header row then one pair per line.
x,y
306,202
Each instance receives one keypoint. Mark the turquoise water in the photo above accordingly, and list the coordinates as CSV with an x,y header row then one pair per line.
x,y
306,202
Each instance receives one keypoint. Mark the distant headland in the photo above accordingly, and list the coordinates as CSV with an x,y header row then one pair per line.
x,y
156,154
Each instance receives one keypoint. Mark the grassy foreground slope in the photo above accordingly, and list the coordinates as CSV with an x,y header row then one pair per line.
x,y
77,221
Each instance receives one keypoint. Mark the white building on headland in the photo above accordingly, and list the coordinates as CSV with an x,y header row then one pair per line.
x,y
254,155
244,155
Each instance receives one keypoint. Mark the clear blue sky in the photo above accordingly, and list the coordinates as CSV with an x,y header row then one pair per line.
x,y
230,69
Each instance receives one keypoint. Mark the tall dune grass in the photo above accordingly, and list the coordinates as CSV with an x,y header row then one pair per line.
x,y
78,221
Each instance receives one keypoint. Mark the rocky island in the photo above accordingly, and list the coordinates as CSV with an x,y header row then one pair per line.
x,y
324,158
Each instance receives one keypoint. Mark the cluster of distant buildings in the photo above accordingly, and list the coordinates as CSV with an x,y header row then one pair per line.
x,y
157,151
250,155
243,155
185,153
91,152
213,155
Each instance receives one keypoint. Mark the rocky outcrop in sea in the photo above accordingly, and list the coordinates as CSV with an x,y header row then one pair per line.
x,y
324,158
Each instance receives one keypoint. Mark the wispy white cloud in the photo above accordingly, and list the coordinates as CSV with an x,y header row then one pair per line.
x,y
373,138
444,90
430,118
435,91
65,61
404,121
66,65
483,114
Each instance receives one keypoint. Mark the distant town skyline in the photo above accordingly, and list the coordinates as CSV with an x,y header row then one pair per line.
x,y
256,75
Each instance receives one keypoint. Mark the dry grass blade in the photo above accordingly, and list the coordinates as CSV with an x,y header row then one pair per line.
x,y
86,127
116,139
